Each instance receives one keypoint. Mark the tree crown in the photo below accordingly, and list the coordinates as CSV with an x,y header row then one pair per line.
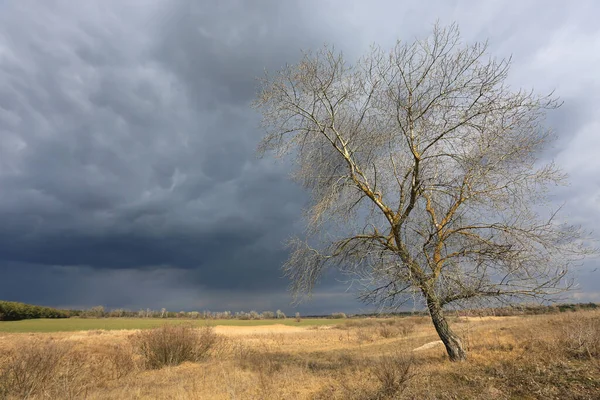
x,y
423,170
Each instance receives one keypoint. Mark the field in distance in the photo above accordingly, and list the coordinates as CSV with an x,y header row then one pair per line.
x,y
86,324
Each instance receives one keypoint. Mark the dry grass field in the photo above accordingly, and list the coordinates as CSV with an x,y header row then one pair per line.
x,y
554,356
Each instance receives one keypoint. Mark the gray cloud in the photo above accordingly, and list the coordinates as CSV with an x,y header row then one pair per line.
x,y
127,168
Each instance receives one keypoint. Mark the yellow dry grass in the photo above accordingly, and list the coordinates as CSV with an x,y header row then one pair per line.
x,y
531,357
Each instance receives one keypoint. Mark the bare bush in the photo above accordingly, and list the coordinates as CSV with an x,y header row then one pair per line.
x,y
407,328
120,360
393,373
387,331
392,328
30,368
173,345
579,336
71,378
364,335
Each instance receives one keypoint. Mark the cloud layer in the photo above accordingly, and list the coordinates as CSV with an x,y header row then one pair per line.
x,y
128,174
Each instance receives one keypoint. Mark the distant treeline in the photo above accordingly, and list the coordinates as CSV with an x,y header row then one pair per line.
x,y
100,312
13,311
516,309
524,309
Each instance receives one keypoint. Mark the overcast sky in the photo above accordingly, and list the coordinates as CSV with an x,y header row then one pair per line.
x,y
128,171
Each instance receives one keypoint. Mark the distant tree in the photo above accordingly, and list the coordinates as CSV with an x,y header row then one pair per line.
x,y
423,170
279,314
242,315
116,313
97,312
338,315
224,315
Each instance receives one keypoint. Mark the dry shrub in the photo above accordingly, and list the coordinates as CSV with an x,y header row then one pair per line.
x,y
223,347
48,369
386,331
407,328
30,367
71,379
173,344
579,336
364,335
120,360
393,373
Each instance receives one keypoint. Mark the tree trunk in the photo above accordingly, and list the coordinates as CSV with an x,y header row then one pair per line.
x,y
453,344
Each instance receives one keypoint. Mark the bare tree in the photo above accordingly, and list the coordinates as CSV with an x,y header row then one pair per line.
x,y
422,167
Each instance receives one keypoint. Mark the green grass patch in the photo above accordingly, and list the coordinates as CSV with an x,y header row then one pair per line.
x,y
86,324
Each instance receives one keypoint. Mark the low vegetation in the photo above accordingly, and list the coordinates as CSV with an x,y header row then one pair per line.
x,y
171,345
549,356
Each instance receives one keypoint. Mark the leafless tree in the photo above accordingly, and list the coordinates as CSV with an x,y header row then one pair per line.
x,y
422,167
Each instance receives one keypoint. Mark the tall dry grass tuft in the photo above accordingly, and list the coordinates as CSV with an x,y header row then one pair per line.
x,y
173,344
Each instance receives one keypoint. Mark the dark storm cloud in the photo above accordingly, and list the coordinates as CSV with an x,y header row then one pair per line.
x,y
128,174
111,159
